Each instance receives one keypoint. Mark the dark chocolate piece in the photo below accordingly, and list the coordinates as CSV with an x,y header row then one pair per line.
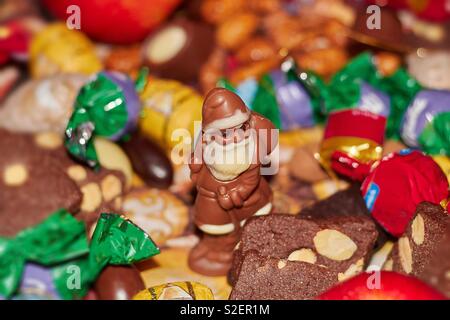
x,y
149,161
179,49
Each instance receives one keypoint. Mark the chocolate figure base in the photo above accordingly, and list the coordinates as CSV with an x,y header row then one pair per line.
x,y
213,255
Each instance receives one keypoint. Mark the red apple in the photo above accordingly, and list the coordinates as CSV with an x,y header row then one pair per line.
x,y
115,21
384,285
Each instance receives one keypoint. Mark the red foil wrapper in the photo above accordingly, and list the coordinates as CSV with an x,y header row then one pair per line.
x,y
398,184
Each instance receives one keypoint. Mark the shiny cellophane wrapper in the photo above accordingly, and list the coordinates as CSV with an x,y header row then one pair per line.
x,y
360,149
176,291
168,105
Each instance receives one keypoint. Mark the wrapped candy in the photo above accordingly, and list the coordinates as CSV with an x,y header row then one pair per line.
x,y
282,96
363,107
14,40
426,123
398,184
166,106
56,252
176,291
109,107
57,49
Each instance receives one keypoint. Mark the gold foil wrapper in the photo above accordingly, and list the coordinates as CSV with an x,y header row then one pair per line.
x,y
176,291
363,150
444,163
56,49
169,105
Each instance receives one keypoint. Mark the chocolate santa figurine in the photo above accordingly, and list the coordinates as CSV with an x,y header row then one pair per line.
x,y
227,166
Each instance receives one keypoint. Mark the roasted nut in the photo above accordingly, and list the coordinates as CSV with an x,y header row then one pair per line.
x,y
15,175
418,230
111,187
387,63
48,140
353,270
256,49
324,62
236,30
388,265
77,172
254,70
125,59
282,264
92,197
216,11
405,254
334,245
304,255
263,6
212,70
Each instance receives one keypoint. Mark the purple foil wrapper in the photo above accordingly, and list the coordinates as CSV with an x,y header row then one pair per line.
x,y
373,100
37,284
425,106
132,101
294,103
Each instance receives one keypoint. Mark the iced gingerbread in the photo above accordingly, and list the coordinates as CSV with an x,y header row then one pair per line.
x,y
226,167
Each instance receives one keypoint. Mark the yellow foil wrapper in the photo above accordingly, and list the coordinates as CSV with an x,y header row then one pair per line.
x,y
167,106
176,291
444,163
363,150
57,49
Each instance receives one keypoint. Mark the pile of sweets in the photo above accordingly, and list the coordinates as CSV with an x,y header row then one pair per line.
x,y
100,197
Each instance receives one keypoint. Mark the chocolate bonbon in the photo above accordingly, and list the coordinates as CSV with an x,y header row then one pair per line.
x,y
149,160
398,184
191,43
109,107
118,283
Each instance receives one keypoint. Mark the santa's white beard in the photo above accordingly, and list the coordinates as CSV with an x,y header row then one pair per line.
x,y
226,162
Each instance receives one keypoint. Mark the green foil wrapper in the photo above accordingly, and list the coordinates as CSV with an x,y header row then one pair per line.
x,y
60,242
344,90
435,138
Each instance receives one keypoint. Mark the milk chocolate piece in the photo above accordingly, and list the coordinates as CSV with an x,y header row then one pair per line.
x,y
230,192
336,248
179,49
424,249
149,161
118,283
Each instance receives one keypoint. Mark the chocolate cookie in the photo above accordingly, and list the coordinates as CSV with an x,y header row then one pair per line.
x,y
31,186
424,249
101,190
339,244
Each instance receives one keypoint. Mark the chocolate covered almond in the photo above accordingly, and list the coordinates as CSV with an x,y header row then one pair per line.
x,y
178,49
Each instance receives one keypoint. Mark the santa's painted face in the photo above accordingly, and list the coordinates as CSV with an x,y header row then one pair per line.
x,y
229,152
